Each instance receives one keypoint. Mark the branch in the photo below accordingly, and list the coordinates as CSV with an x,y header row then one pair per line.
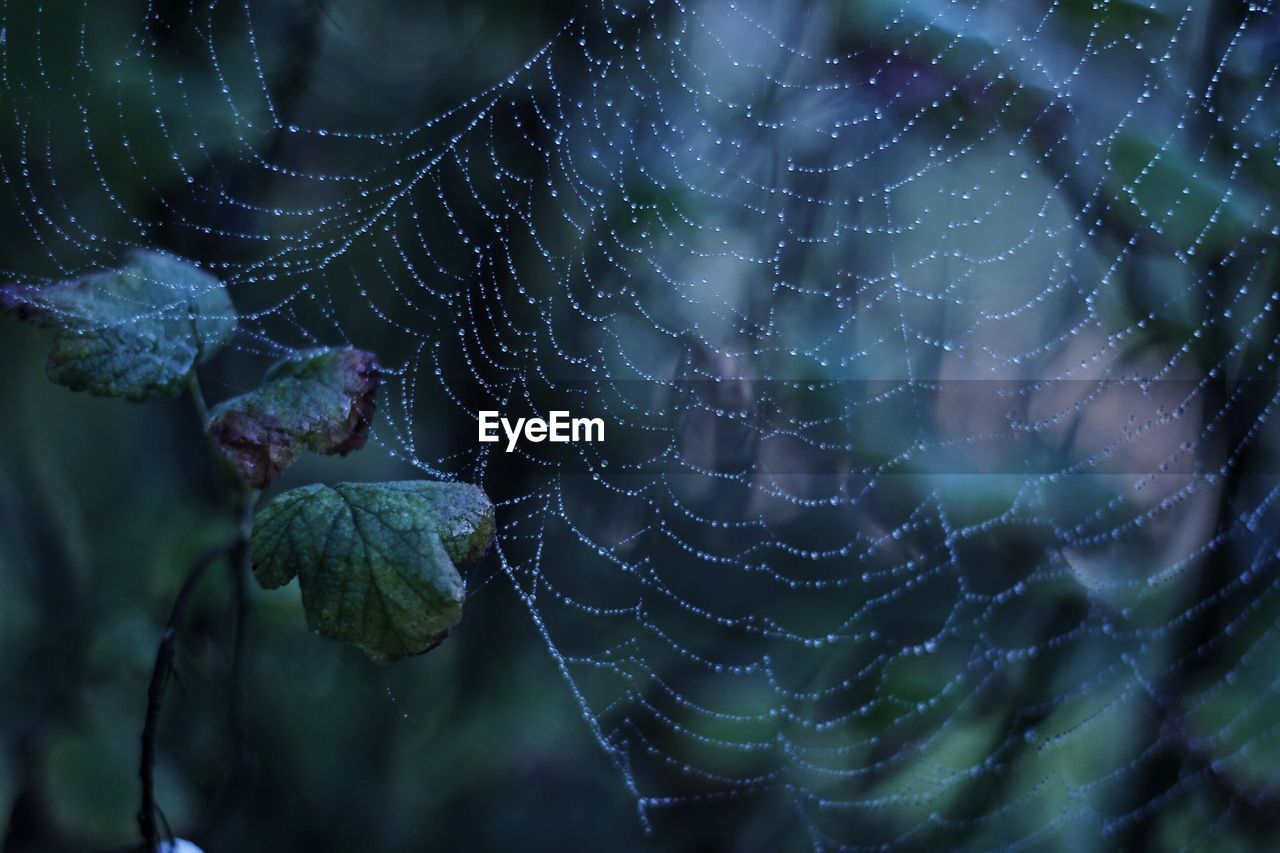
x,y
241,568
155,692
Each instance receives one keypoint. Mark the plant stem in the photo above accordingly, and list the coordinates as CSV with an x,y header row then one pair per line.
x,y
155,692
197,397
241,566
239,562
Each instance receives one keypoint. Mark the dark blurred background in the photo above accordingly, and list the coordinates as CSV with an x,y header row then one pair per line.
x,y
1024,191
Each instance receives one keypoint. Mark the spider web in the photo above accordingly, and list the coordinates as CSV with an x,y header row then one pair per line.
x,y
935,344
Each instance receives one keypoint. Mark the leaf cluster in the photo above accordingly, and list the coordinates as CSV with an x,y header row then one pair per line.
x,y
377,563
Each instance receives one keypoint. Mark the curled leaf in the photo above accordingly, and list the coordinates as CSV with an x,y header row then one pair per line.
x,y
376,561
138,332
320,399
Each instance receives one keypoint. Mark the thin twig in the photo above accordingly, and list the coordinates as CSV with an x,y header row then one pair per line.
x,y
241,566
240,579
197,397
155,692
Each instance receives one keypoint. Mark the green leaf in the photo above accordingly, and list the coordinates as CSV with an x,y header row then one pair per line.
x,y
320,399
137,332
376,561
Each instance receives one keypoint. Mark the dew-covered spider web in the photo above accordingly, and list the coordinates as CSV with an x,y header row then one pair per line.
x,y
934,340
